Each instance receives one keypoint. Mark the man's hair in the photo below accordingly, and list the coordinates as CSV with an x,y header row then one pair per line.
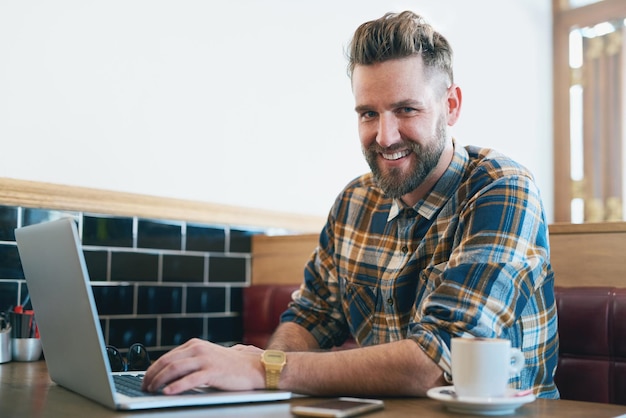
x,y
400,35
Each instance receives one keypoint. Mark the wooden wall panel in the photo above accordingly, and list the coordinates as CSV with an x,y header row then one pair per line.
x,y
582,255
589,254
281,259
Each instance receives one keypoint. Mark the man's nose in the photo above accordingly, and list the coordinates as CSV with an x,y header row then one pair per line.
x,y
388,132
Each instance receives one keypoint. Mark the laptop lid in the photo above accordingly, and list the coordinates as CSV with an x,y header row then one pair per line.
x,y
69,327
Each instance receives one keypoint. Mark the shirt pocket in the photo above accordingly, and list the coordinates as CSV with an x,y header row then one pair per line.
x,y
359,303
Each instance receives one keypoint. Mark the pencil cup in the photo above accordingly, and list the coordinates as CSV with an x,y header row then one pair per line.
x,y
26,349
5,345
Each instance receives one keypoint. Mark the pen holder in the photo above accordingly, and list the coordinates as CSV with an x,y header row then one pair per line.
x,y
25,342
5,345
26,349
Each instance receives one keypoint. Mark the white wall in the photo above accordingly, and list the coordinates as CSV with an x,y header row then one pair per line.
x,y
243,102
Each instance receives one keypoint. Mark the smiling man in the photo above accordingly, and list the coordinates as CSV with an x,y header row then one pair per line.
x,y
438,241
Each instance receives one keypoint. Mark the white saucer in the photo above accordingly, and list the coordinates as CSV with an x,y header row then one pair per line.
x,y
504,405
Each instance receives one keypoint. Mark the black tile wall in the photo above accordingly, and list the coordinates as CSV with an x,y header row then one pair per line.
x,y
97,262
114,300
125,332
159,235
134,266
8,223
157,299
10,265
35,216
183,268
178,330
201,238
8,294
225,329
154,281
240,241
107,232
206,299
227,269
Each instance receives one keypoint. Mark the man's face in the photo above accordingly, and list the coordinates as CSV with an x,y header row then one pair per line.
x,y
403,118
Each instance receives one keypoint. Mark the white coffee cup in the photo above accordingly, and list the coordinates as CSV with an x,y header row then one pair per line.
x,y
481,367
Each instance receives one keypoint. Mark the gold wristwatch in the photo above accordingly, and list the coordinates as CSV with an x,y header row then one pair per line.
x,y
273,361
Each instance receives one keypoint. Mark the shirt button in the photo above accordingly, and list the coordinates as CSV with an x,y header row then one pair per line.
x,y
405,249
390,301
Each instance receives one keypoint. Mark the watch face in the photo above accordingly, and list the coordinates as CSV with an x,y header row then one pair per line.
x,y
274,356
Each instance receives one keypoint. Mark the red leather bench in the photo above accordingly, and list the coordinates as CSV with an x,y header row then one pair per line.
x,y
592,331
262,307
592,346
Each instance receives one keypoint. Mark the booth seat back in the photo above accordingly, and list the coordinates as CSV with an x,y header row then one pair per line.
x,y
592,333
262,307
592,351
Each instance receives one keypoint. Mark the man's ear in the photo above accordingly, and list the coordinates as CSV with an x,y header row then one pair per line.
x,y
454,99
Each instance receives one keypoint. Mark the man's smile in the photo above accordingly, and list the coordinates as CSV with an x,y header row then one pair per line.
x,y
395,155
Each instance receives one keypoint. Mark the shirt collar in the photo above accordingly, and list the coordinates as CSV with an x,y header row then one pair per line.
x,y
445,187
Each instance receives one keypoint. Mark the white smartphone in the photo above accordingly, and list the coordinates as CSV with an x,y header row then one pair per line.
x,y
338,408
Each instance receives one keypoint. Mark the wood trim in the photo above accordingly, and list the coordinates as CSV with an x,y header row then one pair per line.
x,y
61,197
587,228
561,154
590,14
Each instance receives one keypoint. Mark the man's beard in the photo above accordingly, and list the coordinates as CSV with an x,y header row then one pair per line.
x,y
394,182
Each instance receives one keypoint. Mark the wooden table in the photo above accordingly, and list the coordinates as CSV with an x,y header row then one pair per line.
x,y
26,391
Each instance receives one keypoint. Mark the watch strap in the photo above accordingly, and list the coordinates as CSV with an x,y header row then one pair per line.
x,y
271,379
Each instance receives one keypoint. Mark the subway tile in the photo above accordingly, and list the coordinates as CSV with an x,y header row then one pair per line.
x,y
159,299
8,294
236,299
10,264
206,299
152,234
114,300
183,268
8,223
176,331
34,216
107,231
227,269
222,330
201,238
133,266
96,262
241,240
125,332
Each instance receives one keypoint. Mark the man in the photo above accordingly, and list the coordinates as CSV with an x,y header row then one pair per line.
x,y
438,241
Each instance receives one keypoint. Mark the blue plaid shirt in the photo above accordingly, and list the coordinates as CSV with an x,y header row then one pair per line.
x,y
470,259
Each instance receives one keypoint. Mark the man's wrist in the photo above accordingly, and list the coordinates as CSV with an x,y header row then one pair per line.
x,y
273,362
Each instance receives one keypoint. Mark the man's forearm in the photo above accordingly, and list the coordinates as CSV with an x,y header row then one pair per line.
x,y
400,368
292,337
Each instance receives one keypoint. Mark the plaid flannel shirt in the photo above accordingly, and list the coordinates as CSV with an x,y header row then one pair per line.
x,y
470,259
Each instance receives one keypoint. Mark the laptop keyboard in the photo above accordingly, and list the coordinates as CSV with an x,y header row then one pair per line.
x,y
130,385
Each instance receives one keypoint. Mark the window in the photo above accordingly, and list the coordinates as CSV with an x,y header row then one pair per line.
x,y
589,94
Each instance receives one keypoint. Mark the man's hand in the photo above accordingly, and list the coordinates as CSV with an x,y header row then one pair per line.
x,y
201,363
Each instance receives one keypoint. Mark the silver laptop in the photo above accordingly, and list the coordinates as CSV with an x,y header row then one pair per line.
x,y
72,340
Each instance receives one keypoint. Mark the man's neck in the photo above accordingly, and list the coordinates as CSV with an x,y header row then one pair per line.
x,y
423,189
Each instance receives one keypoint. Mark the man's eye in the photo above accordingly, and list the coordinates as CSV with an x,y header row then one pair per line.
x,y
407,110
368,115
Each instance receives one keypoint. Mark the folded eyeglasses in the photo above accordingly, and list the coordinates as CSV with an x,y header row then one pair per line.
x,y
137,358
